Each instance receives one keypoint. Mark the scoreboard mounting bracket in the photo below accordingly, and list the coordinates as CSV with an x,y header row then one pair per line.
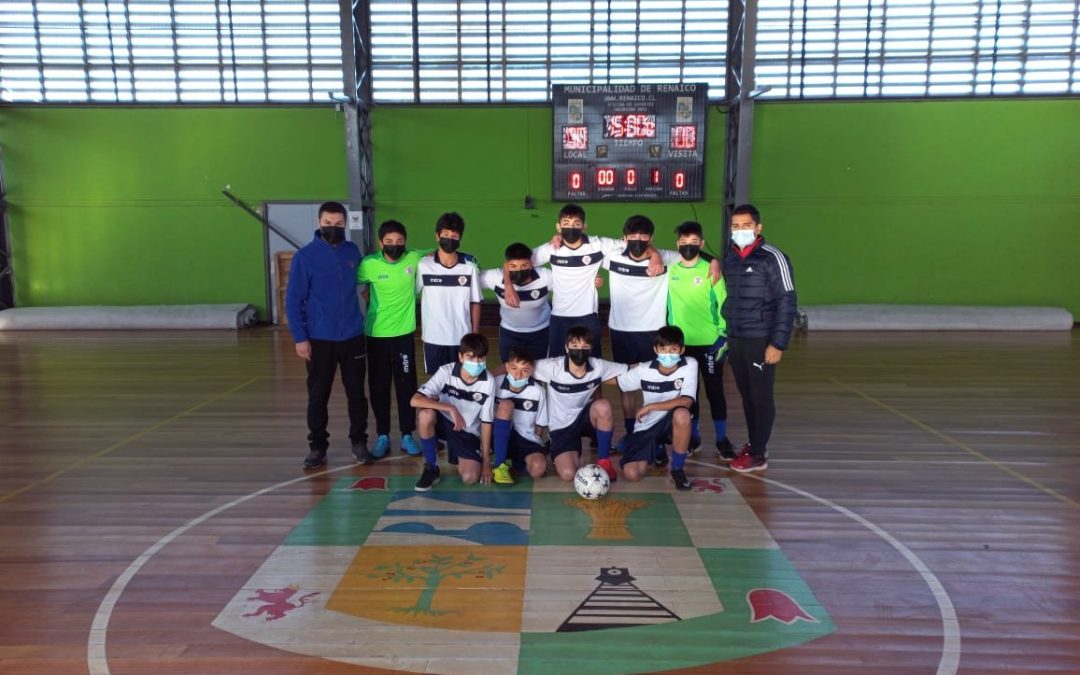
x,y
629,142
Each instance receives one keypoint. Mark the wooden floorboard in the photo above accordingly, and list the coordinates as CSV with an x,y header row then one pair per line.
x,y
963,447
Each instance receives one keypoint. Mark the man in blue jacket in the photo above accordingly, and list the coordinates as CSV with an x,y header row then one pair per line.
x,y
760,313
328,327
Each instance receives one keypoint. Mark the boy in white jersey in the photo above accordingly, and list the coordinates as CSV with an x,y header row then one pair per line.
x,y
572,413
669,386
520,413
524,326
458,405
575,258
450,297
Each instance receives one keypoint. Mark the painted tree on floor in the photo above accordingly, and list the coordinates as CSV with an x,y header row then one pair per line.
x,y
433,570
608,516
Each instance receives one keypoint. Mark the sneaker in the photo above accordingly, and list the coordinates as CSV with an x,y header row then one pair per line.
x,y
428,479
360,453
727,450
382,447
606,465
315,459
748,463
502,474
408,444
695,443
680,479
660,458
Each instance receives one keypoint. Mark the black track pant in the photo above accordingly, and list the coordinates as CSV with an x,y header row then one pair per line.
x,y
392,359
326,357
755,380
711,375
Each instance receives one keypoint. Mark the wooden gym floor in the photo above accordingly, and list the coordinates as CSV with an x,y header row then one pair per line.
x,y
921,515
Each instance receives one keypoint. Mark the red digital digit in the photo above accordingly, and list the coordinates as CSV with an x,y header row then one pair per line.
x,y
684,137
680,180
576,180
631,177
654,177
605,177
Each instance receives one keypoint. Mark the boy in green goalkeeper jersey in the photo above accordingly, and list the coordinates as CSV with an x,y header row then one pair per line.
x,y
391,334
694,306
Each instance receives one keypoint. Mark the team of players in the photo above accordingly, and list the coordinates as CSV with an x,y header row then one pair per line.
x,y
667,327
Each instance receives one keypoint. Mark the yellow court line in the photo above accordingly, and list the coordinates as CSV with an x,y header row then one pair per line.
x,y
129,439
952,441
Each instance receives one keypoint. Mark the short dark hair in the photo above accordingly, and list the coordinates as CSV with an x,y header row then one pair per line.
x,y
518,251
688,229
521,355
638,225
475,343
571,211
450,221
748,209
331,207
392,227
579,333
669,336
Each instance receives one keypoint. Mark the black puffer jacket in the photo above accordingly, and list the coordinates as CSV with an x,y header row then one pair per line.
x,y
760,294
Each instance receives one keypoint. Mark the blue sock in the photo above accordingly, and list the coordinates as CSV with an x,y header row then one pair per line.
x,y
431,451
501,438
628,422
721,428
695,430
603,444
678,460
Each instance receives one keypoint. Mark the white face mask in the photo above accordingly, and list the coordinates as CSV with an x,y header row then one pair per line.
x,y
743,238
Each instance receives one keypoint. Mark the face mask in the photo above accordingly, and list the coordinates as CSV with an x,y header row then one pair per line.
x,y
473,368
516,383
571,235
520,277
393,251
637,247
332,235
689,251
743,238
668,360
579,356
449,245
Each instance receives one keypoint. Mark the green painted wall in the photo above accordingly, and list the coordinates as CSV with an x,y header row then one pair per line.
x,y
123,206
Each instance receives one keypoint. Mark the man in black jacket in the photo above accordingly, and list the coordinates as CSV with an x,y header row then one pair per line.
x,y
760,312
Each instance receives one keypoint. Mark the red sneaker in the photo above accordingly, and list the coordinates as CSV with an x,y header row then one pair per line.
x,y
748,463
605,464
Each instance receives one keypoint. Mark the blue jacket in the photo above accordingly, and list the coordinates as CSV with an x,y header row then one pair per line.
x,y
761,301
321,300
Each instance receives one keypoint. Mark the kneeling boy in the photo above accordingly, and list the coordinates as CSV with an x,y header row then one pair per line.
x,y
520,413
458,404
669,386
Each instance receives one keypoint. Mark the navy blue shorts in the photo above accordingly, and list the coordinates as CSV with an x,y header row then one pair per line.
x,y
437,356
520,447
459,444
535,343
560,324
641,445
568,439
632,347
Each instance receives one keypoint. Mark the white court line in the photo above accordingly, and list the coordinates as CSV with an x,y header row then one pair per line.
x,y
96,659
949,662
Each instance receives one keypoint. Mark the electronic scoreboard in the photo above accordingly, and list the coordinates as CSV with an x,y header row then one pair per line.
x,y
629,142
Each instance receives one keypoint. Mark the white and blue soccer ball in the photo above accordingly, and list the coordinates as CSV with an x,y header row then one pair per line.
x,y
591,482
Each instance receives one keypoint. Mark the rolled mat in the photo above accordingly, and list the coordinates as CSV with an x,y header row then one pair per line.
x,y
936,317
153,317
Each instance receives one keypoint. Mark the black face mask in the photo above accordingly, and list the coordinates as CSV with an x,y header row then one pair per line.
x,y
637,247
571,235
689,251
449,245
520,277
393,251
332,235
579,356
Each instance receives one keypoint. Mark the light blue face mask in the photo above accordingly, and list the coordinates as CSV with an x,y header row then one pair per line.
x,y
668,360
473,368
516,383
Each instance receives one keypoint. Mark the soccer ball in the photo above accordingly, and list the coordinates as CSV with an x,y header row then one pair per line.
x,y
591,482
